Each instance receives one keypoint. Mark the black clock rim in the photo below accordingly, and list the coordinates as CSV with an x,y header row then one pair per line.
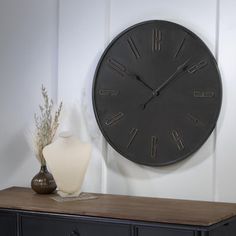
x,y
217,113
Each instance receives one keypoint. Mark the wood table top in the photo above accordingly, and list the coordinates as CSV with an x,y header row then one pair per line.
x,y
187,212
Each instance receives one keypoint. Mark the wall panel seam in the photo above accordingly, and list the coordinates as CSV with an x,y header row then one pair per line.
x,y
105,144
215,132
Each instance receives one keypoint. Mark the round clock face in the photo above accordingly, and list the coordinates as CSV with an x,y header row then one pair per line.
x,y
157,93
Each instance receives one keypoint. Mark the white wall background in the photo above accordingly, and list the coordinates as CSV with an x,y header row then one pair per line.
x,y
58,43
28,58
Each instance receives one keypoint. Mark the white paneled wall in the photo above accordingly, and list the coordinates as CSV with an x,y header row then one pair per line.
x,y
28,58
226,141
200,16
59,42
193,178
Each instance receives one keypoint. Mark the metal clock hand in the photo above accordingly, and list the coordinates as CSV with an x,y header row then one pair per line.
x,y
123,71
136,77
143,83
181,68
149,100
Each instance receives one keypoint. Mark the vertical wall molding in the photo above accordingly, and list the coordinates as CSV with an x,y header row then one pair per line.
x,y
215,131
217,30
104,142
225,146
107,23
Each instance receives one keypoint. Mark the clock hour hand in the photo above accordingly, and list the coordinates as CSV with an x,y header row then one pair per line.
x,y
149,100
143,83
154,94
122,70
136,77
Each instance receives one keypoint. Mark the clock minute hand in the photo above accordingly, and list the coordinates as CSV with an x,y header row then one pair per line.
x,y
156,92
179,70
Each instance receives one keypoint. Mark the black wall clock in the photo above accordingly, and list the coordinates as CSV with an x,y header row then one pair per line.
x,y
157,93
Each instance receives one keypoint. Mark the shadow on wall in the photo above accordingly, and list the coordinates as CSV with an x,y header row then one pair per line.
x,y
122,166
87,106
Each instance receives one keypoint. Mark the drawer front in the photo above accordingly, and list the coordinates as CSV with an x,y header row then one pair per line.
x,y
56,226
8,225
225,230
159,231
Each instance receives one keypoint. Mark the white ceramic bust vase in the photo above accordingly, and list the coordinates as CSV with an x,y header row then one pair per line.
x,y
68,159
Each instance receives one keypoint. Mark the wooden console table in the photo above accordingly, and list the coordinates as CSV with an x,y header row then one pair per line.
x,y
24,213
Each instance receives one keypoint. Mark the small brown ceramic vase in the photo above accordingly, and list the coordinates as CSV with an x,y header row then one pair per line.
x,y
43,182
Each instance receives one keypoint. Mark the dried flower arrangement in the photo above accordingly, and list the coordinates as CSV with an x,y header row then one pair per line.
x,y
46,125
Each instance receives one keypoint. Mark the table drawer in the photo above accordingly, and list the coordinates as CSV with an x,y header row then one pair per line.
x,y
159,231
57,226
228,229
8,224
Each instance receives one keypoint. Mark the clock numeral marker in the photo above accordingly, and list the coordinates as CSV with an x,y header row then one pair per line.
x,y
153,147
194,120
118,67
133,47
197,67
203,94
115,118
156,40
180,47
133,134
177,139
108,92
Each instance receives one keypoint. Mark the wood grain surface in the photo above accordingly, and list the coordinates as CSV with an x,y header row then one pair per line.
x,y
122,207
